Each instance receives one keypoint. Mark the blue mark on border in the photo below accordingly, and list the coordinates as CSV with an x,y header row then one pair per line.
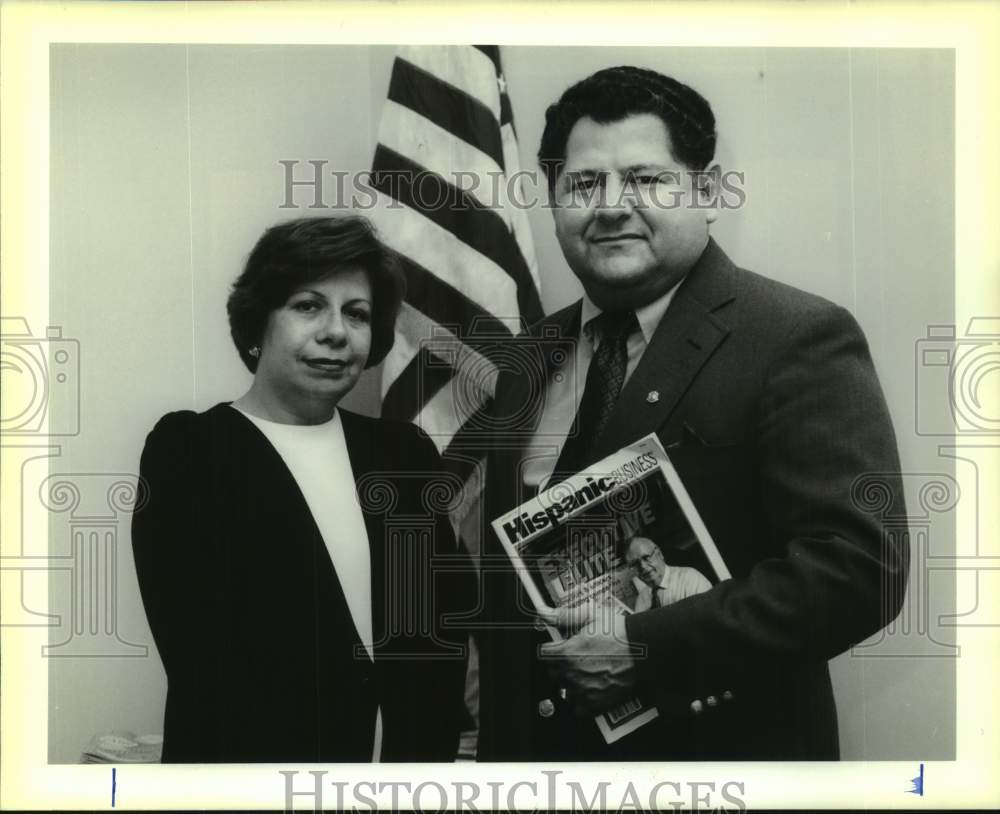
x,y
918,783
114,784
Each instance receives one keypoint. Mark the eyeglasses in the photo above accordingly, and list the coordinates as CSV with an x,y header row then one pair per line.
x,y
649,558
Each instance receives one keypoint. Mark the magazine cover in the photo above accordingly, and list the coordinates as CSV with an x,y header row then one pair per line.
x,y
622,532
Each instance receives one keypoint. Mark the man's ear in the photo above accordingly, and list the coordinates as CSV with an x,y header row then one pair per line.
x,y
707,184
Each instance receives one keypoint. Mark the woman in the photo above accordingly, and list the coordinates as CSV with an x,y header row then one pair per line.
x,y
286,556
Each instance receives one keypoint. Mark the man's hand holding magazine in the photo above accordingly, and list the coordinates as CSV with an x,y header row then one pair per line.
x,y
595,662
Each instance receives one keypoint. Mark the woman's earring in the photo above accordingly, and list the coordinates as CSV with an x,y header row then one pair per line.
x,y
255,351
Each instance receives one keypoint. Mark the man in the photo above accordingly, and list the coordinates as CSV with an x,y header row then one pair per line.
x,y
768,404
660,584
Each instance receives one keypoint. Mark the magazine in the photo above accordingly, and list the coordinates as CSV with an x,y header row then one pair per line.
x,y
622,534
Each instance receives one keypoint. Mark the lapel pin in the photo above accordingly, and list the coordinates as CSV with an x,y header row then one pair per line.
x,y
653,396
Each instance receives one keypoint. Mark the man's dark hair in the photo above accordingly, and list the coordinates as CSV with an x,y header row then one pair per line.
x,y
612,94
303,251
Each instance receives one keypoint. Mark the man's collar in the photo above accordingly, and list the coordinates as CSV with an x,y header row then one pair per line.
x,y
648,316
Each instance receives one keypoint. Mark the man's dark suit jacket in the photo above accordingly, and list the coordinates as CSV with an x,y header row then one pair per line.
x,y
263,661
769,407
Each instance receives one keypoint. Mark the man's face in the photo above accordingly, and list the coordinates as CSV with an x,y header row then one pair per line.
x,y
646,560
630,219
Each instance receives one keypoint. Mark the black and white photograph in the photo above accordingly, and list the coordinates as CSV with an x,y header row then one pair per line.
x,y
311,314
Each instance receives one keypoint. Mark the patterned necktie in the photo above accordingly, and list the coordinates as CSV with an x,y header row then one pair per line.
x,y
604,384
657,598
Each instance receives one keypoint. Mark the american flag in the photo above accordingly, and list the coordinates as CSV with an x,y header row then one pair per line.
x,y
445,170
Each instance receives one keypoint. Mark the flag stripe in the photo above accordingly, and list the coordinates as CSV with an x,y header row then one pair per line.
x,y
411,135
445,304
477,355
451,109
418,238
463,464
464,67
417,384
451,410
468,440
473,364
467,447
480,229
414,329
492,52
506,112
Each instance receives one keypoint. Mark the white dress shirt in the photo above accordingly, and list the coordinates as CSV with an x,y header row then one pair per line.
x,y
679,582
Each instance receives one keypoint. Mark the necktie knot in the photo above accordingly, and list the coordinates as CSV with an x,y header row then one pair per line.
x,y
612,326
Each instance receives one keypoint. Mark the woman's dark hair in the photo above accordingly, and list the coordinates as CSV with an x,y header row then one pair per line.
x,y
298,252
611,95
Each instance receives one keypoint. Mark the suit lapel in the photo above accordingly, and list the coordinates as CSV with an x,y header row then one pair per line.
x,y
690,331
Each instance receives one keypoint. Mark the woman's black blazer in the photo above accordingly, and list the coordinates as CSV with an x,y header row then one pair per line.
x,y
263,660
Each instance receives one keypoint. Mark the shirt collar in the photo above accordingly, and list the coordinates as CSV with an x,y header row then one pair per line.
x,y
648,316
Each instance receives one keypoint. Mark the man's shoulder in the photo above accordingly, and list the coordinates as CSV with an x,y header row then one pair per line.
x,y
759,293
773,314
779,315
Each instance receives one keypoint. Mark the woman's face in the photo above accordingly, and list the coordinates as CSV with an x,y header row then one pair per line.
x,y
316,345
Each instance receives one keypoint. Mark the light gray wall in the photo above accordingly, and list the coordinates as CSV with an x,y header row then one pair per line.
x,y
164,171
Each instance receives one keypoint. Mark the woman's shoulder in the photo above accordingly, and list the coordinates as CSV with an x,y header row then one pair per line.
x,y
178,421
183,441
186,429
184,422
